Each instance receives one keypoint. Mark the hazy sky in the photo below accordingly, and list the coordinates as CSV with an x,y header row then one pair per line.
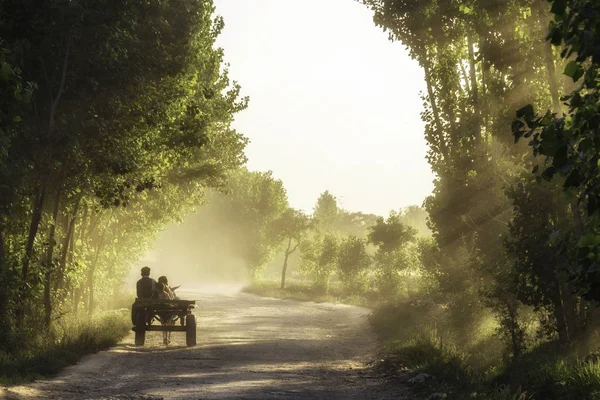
x,y
333,104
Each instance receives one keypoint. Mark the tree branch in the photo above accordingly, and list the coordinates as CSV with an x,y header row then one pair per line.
x,y
294,249
61,88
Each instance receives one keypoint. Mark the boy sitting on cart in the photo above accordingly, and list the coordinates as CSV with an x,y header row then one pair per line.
x,y
165,286
146,286
145,290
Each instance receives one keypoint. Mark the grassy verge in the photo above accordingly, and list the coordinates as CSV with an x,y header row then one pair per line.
x,y
296,291
72,341
546,372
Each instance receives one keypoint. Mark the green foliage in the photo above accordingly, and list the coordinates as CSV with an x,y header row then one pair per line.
x,y
326,211
113,121
390,234
353,263
393,257
302,292
416,218
414,338
257,202
432,355
543,244
546,373
71,341
505,248
568,140
318,259
291,224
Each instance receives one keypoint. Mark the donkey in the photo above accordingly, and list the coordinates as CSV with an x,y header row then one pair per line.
x,y
166,318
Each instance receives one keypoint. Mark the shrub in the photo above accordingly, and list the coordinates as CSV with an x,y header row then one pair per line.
x,y
72,340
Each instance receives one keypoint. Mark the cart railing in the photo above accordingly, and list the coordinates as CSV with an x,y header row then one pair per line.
x,y
155,304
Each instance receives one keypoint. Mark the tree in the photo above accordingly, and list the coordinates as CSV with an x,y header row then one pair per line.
x,y
391,237
353,223
326,211
390,234
568,141
291,226
318,258
257,202
481,60
353,262
112,111
415,217
543,245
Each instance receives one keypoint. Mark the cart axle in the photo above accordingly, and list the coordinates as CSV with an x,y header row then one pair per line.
x,y
172,328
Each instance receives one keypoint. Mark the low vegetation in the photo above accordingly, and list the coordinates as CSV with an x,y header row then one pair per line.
x,y
67,343
302,292
477,368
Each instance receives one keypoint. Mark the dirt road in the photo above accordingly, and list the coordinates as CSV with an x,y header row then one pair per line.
x,y
248,348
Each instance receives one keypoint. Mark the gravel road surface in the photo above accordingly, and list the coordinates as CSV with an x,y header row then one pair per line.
x,y
248,348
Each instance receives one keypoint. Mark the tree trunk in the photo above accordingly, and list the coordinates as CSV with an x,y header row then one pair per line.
x,y
1,248
561,323
40,198
552,77
67,243
436,115
483,106
465,77
90,285
561,303
473,76
36,217
288,252
548,56
285,263
49,262
515,329
93,224
4,313
451,119
90,276
583,314
63,79
571,313
71,247
83,222
67,279
577,220
76,299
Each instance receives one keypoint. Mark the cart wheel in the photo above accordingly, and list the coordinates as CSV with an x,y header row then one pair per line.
x,y
140,327
190,330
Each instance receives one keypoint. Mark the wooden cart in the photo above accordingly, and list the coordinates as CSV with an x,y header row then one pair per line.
x,y
145,312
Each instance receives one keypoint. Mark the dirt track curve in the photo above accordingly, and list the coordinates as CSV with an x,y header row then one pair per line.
x,y
248,348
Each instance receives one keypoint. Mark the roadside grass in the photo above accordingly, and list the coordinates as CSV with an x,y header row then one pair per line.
x,y
303,292
546,372
67,344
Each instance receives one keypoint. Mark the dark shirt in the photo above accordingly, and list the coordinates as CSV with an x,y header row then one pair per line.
x,y
146,288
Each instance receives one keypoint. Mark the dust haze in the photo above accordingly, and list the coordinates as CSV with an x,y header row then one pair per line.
x,y
199,253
